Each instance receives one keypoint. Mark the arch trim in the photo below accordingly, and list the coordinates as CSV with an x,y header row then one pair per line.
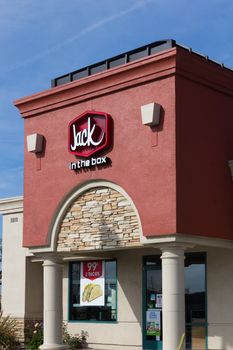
x,y
67,202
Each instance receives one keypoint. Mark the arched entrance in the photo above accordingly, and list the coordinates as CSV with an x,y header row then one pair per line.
x,y
95,218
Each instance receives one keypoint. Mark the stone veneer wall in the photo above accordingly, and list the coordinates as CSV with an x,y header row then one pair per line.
x,y
99,219
20,328
24,328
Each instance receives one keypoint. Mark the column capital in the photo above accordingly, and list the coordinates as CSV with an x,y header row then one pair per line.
x,y
52,261
53,258
48,259
175,248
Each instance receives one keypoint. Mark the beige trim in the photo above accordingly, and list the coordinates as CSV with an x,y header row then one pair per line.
x,y
111,80
11,205
188,239
86,257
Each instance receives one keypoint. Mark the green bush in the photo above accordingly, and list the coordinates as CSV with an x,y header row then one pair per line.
x,y
36,336
8,339
74,341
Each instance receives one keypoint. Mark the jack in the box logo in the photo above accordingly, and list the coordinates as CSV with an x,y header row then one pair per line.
x,y
89,133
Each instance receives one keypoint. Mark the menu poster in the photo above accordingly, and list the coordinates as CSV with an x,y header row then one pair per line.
x,y
159,300
153,323
92,283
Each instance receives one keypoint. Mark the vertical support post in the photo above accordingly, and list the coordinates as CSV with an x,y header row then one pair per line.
x,y
173,296
52,306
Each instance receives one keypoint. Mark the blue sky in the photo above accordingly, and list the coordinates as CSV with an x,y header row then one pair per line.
x,y
43,39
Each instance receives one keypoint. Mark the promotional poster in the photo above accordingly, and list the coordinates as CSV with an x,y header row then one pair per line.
x,y
153,323
92,284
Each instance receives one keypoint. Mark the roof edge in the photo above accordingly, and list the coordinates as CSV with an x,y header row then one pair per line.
x,y
11,205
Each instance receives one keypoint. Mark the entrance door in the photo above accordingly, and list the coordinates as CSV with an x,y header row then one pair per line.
x,y
152,303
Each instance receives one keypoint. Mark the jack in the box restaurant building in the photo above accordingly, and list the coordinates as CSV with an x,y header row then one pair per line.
x,y
125,230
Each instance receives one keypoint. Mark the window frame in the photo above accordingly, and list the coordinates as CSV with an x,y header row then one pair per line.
x,y
69,295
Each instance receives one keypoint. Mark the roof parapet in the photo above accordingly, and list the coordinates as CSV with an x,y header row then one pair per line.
x,y
115,61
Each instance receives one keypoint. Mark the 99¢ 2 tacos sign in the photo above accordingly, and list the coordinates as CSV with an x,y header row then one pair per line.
x,y
92,283
89,134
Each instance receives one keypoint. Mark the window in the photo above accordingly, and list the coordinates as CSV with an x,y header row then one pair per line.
x,y
108,312
195,301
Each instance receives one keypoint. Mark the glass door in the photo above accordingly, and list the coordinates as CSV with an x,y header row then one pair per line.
x,y
152,303
195,302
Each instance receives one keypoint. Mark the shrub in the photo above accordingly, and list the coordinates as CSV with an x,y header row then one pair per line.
x,y
36,336
8,339
74,341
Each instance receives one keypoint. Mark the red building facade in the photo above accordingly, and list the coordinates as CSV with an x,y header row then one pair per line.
x,y
174,174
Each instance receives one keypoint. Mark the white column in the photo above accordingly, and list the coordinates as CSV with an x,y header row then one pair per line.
x,y
173,296
52,306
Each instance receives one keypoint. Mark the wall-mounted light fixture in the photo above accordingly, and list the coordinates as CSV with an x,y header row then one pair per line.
x,y
35,143
230,163
151,114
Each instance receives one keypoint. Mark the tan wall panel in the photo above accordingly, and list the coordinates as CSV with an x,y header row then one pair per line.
x,y
128,330
13,266
220,299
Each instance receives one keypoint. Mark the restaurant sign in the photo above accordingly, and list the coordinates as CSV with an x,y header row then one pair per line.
x,y
89,134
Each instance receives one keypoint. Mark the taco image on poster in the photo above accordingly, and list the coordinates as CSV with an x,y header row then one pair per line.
x,y
91,292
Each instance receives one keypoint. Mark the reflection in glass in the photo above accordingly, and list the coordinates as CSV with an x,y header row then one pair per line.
x,y
195,301
196,337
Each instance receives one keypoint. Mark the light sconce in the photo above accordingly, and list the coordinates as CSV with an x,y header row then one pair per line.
x,y
35,143
151,114
230,163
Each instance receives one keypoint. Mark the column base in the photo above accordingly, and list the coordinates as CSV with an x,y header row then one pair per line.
x,y
53,347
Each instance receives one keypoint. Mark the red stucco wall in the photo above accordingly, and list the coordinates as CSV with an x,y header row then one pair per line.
x,y
204,128
145,172
177,175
